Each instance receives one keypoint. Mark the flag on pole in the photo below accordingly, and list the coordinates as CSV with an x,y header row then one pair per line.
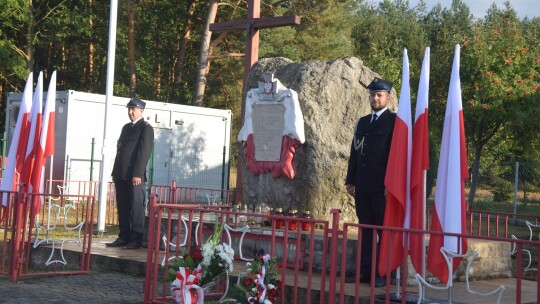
x,y
45,147
17,148
33,136
419,165
450,209
397,179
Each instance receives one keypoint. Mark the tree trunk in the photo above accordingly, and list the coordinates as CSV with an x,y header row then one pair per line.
x,y
63,61
90,58
181,56
131,48
204,53
29,39
157,71
474,173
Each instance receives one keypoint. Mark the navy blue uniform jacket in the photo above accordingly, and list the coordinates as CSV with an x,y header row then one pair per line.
x,y
133,151
367,165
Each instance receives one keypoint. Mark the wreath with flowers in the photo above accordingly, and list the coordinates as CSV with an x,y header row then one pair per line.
x,y
261,283
198,268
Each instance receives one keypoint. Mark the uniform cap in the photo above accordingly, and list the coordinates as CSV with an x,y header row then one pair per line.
x,y
136,103
380,85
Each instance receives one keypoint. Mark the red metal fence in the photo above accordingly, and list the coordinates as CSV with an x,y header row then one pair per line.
x,y
61,220
314,256
480,222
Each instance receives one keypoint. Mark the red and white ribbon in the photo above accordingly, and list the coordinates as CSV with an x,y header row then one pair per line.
x,y
185,289
259,281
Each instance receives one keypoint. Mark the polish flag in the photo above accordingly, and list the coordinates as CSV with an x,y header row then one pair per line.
x,y
33,136
397,212
17,148
419,165
45,148
450,209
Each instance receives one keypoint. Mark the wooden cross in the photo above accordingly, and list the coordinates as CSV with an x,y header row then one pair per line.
x,y
253,23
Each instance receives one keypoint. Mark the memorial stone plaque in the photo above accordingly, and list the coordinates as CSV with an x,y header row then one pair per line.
x,y
268,124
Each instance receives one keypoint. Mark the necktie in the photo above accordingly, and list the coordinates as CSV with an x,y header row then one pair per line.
x,y
373,118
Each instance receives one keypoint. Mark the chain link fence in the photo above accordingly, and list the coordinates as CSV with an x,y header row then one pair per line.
x,y
506,187
198,166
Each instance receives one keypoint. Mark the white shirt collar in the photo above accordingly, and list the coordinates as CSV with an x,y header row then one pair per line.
x,y
379,113
134,122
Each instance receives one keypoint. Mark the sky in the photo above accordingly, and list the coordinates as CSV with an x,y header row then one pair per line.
x,y
529,8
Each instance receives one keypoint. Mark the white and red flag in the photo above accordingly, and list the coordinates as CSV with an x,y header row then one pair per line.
x,y
397,179
45,147
33,136
419,166
450,207
17,148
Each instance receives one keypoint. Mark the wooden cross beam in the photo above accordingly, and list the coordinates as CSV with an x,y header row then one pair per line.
x,y
252,24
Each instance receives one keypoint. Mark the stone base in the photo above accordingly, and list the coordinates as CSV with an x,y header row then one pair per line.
x,y
493,261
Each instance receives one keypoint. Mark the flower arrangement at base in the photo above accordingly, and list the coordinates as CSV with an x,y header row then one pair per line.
x,y
261,284
198,268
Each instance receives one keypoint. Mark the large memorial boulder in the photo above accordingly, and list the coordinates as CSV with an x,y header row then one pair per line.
x,y
332,96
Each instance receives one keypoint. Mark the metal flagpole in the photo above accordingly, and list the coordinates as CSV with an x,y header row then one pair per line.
x,y
105,172
51,163
424,229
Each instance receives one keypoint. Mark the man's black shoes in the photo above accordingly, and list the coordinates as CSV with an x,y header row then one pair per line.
x,y
351,278
133,245
380,281
125,244
117,243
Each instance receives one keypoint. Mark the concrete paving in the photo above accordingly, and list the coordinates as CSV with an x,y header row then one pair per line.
x,y
118,276
97,287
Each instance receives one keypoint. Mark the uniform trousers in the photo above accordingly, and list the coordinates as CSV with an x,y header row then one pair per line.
x,y
370,211
130,207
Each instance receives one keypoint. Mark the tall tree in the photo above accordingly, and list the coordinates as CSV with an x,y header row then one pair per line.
x,y
89,71
500,76
323,34
131,47
12,56
384,31
205,51
184,37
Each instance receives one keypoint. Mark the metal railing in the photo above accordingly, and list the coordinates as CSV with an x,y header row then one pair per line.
x,y
33,221
314,256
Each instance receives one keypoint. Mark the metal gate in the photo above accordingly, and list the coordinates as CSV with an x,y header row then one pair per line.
x,y
35,229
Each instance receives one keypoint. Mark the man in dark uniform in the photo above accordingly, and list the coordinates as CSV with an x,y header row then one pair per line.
x,y
367,168
129,175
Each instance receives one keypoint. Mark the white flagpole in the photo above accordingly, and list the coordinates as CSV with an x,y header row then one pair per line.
x,y
50,189
51,163
424,226
105,171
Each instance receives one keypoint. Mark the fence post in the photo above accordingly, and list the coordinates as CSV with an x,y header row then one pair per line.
x,y
19,223
516,182
172,193
92,159
333,256
151,246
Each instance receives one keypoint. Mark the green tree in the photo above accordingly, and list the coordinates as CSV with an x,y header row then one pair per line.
x,y
384,31
12,56
499,74
324,32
